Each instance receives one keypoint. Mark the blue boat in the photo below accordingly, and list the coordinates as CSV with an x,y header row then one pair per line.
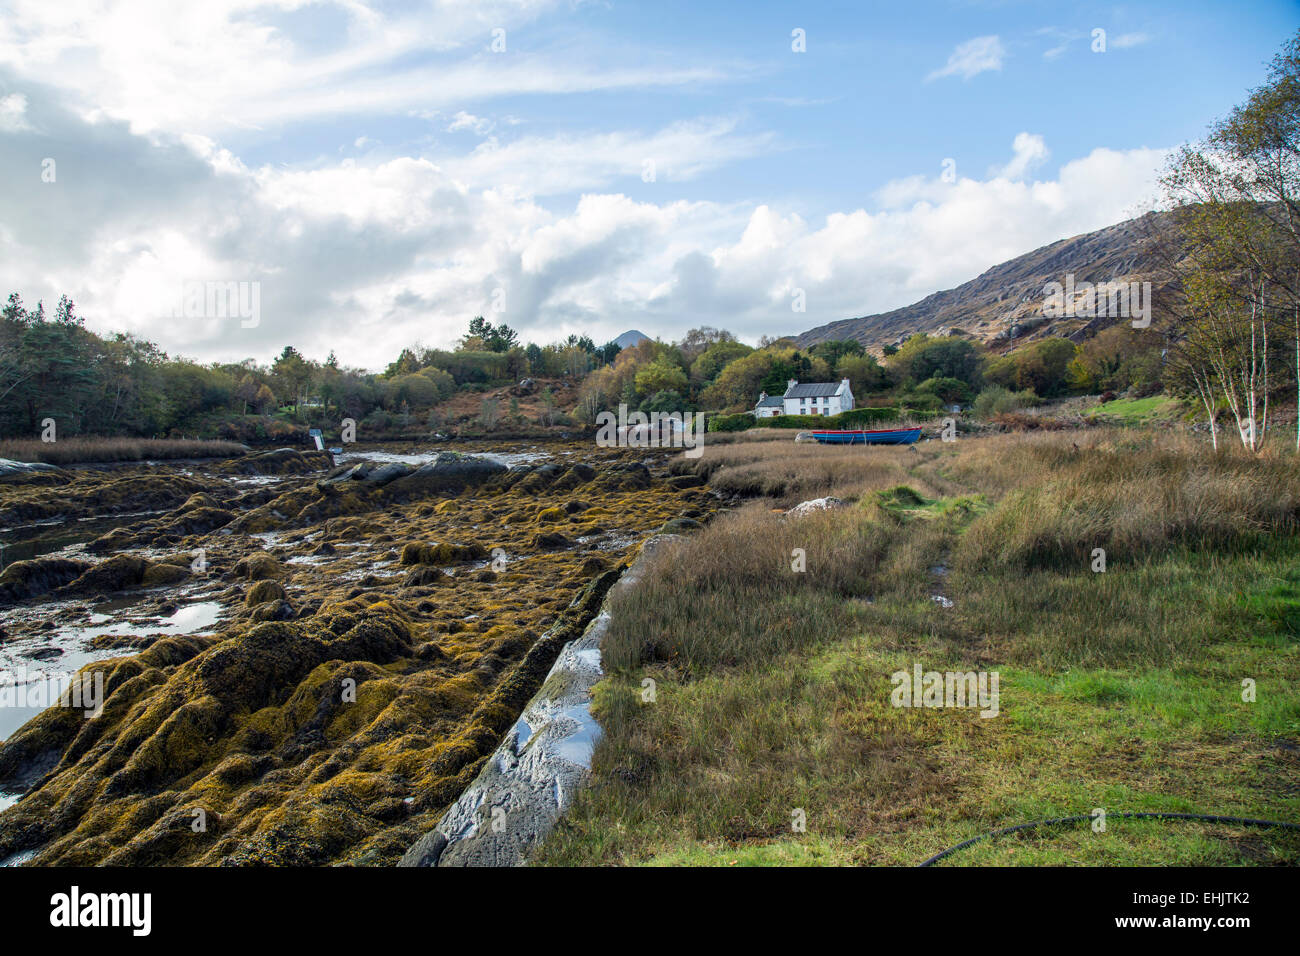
x,y
888,436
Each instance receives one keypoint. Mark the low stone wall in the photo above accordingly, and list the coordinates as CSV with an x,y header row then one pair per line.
x,y
532,777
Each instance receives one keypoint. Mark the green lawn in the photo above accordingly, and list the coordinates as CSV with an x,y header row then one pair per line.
x,y
1134,411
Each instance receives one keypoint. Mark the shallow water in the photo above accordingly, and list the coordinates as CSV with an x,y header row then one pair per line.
x,y
21,673
39,538
509,459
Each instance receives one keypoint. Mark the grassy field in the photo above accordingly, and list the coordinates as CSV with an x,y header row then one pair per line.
x,y
68,451
1119,689
1132,411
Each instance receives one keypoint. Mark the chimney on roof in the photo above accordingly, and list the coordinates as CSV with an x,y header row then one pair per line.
x,y
844,384
762,395
791,384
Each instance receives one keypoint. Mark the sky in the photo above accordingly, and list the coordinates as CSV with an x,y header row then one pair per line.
x,y
378,173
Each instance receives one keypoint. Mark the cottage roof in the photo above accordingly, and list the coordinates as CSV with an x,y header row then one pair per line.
x,y
770,401
812,390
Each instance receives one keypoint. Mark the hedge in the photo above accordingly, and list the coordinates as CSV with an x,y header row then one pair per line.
x,y
854,418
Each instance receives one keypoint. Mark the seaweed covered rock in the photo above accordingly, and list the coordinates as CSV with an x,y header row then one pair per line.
x,y
117,573
427,576
260,567
24,579
627,476
281,461
166,572
448,472
444,553
86,494
264,592
16,471
374,474
551,541
335,727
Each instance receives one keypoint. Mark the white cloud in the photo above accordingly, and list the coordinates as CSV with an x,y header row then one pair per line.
x,y
468,121
234,64
551,165
366,257
1125,40
971,58
12,113
1029,151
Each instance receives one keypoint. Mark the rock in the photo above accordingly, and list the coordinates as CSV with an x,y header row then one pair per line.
x,y
388,472
814,505
118,573
273,611
198,521
449,471
543,760
281,461
10,469
260,567
427,576
263,592
551,541
415,553
198,500
680,526
108,642
158,575
24,579
681,482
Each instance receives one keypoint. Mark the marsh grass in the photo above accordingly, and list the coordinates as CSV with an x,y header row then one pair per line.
x,y
1119,689
68,451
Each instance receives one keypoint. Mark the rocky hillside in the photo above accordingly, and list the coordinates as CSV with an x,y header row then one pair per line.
x,y
1004,306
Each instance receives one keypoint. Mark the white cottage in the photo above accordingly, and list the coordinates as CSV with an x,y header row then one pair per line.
x,y
769,406
817,398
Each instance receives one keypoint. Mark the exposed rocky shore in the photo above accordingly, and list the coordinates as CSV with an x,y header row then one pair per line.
x,y
382,626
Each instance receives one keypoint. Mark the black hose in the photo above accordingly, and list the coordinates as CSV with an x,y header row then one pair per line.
x,y
1129,815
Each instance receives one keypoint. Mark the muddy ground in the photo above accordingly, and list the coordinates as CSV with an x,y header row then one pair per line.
x,y
302,664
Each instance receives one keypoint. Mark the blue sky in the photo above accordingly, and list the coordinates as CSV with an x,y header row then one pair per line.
x,y
384,174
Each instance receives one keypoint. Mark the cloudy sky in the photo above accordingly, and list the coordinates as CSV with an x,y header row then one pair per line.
x,y
387,170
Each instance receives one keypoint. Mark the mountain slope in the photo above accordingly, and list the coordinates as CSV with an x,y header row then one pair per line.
x,y
630,338
1004,305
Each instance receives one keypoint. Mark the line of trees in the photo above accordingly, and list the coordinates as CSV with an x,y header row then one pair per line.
x,y
52,366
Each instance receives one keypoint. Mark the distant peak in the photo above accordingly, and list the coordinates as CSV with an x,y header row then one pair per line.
x,y
630,339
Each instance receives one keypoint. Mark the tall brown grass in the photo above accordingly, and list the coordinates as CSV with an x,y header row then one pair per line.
x,y
67,451
731,594
1017,517
1061,499
790,472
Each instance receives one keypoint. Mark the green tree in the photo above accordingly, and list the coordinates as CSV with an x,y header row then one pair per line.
x,y
661,375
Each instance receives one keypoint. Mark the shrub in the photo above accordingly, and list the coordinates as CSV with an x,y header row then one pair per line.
x,y
949,390
996,400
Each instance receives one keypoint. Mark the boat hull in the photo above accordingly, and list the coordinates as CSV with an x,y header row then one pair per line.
x,y
889,436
